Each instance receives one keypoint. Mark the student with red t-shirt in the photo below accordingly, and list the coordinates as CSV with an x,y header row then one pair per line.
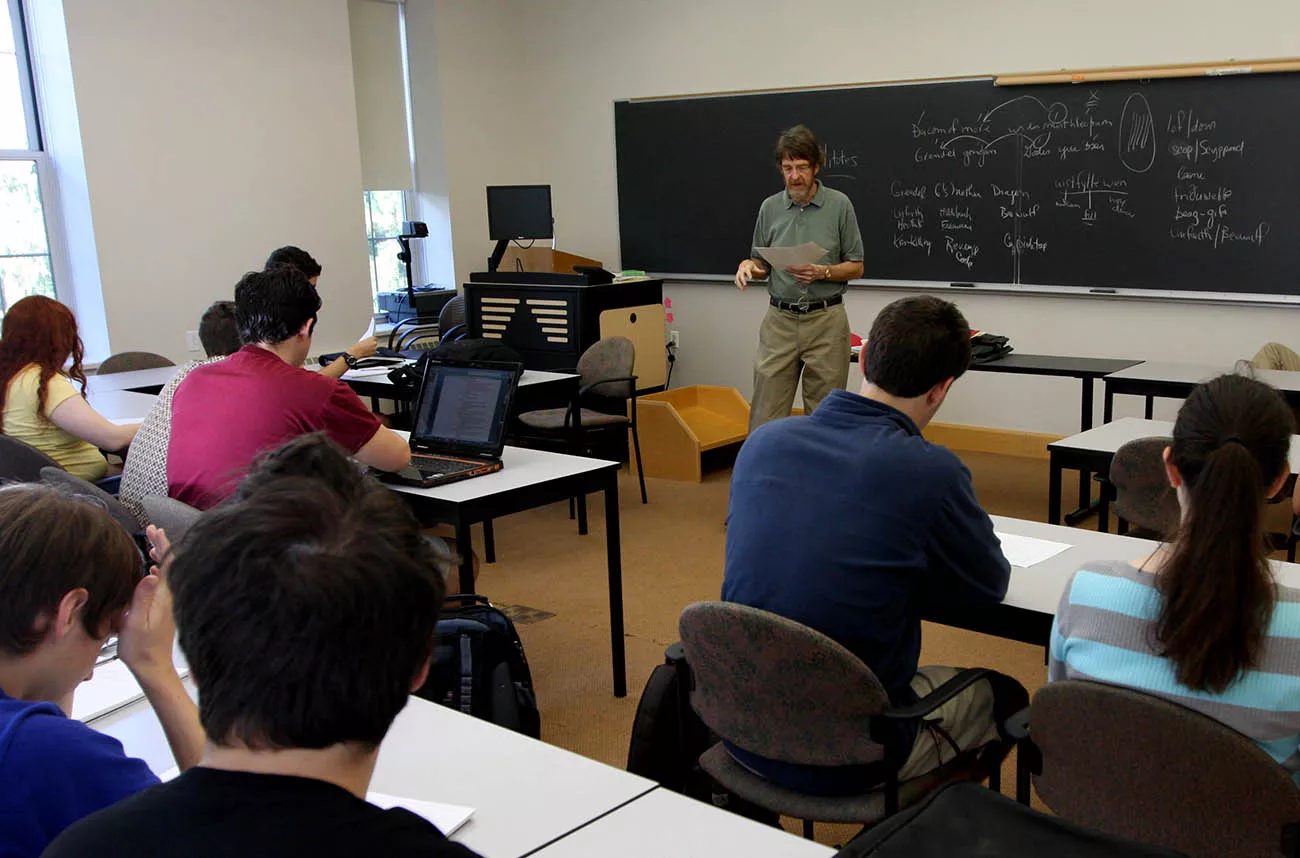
x,y
224,414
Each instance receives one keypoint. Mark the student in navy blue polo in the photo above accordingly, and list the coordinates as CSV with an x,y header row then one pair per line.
x,y
68,572
848,521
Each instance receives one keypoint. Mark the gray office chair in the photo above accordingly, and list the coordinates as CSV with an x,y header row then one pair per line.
x,y
1133,765
53,475
128,361
21,462
453,323
604,371
783,691
173,516
1140,486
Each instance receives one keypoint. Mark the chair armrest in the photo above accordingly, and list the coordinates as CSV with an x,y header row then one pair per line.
x,y
941,695
1017,726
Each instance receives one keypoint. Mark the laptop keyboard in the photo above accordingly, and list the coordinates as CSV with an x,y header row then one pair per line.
x,y
435,466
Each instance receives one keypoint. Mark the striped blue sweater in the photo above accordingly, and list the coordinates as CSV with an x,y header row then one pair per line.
x,y
1105,632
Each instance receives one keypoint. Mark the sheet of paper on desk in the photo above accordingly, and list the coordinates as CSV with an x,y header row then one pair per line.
x,y
1025,551
448,817
369,371
784,257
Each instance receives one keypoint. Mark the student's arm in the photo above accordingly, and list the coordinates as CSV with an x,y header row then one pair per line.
x,y
75,416
964,552
145,647
386,450
362,349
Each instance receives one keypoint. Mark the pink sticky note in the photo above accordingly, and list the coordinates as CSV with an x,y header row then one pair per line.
x,y
668,302
669,317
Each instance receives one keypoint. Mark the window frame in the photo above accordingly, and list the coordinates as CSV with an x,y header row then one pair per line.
x,y
373,241
26,81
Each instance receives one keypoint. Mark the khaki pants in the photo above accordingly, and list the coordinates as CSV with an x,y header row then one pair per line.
x,y
967,718
1276,356
814,344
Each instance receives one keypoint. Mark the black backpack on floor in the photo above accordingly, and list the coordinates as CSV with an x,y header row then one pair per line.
x,y
479,667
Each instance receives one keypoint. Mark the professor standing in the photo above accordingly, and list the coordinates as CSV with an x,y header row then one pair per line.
x,y
806,329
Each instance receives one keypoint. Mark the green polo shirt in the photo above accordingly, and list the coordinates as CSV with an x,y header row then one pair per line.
x,y
828,220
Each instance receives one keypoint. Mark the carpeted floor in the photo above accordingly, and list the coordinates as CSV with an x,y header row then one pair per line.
x,y
556,583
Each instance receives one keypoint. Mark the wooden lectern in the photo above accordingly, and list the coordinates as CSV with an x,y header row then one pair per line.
x,y
543,259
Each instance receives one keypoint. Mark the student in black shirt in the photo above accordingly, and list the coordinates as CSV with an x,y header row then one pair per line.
x,y
306,606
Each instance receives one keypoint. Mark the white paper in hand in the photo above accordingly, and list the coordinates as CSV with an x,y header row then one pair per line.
x,y
370,330
1025,551
447,817
786,257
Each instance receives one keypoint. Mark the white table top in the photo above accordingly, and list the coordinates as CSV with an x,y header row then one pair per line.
x,y
1109,437
664,824
521,467
1039,587
1194,373
379,375
157,376
112,688
121,406
524,792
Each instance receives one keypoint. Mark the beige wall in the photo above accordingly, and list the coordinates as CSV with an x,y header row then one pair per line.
x,y
528,91
214,132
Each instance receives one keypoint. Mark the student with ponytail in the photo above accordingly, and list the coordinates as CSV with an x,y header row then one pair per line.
x,y
1201,622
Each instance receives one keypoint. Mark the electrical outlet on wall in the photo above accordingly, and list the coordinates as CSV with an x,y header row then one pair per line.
x,y
192,341
675,337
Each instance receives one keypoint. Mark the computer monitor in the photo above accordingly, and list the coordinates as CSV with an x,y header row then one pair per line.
x,y
519,212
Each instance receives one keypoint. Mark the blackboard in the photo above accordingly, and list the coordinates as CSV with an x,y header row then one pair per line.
x,y
1188,184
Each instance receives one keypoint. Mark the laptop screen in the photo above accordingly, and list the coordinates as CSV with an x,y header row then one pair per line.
x,y
465,406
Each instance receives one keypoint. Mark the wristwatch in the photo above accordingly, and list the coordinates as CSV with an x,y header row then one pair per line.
x,y
827,274
349,360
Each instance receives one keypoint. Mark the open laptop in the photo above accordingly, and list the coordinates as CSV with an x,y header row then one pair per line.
x,y
459,429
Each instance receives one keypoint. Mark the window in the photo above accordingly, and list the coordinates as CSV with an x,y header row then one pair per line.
x,y
25,265
385,211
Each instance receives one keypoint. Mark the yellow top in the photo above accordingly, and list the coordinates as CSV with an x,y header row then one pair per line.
x,y
24,423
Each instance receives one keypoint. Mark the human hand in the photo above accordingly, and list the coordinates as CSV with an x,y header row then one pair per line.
x,y
145,641
364,348
808,273
746,271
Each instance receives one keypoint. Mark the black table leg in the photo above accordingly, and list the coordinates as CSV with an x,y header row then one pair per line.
x,y
1150,409
615,562
1054,491
1108,406
489,542
582,515
1086,505
465,545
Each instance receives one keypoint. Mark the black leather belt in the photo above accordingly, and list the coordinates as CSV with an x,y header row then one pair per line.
x,y
806,307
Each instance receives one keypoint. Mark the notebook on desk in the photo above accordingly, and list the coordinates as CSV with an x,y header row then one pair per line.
x,y
459,429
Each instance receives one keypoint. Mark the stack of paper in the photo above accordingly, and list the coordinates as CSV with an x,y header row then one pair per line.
x,y
447,817
1025,551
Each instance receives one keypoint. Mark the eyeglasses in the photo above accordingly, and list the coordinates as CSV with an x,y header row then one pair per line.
x,y
802,168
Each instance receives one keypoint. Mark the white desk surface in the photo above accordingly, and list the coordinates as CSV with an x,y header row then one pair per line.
x,y
121,406
664,824
524,793
1109,437
378,375
521,467
128,380
1193,373
112,688
1039,587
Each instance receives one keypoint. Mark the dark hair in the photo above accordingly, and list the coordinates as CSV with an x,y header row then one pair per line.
x,y
1231,441
272,305
312,455
50,544
306,608
218,330
799,143
295,256
916,343
39,330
